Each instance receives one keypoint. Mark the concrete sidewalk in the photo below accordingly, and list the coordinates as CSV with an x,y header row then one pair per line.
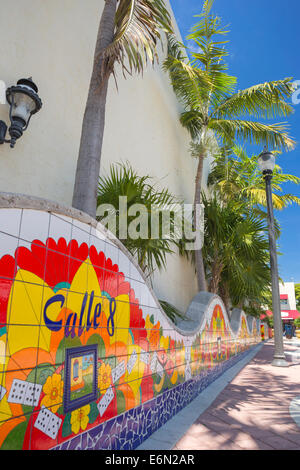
x,y
253,406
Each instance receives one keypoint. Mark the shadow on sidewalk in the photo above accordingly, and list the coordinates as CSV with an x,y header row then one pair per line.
x,y
252,412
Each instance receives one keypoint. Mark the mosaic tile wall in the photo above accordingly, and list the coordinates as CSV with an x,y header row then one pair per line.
x,y
87,358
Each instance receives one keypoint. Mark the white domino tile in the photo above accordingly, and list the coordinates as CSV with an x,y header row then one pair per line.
x,y
48,423
25,393
2,392
105,401
131,362
17,391
118,371
32,394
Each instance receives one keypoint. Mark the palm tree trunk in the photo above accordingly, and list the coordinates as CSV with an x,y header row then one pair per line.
x,y
201,280
224,294
88,164
216,272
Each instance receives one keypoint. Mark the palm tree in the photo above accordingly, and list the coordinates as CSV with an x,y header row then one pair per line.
x,y
236,253
128,34
149,251
235,175
236,181
216,109
150,247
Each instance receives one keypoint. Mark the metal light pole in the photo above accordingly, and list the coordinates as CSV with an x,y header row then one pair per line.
x,y
266,162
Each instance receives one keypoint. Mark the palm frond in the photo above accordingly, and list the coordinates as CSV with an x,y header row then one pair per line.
x,y
208,35
171,311
193,121
138,28
236,239
189,83
266,100
272,135
151,250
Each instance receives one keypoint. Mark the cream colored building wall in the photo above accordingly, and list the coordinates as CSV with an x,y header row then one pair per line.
x,y
53,41
288,288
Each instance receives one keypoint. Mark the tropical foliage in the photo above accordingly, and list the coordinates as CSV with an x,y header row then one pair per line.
x,y
138,28
216,116
145,202
236,181
297,323
236,175
236,254
171,311
269,320
297,294
213,111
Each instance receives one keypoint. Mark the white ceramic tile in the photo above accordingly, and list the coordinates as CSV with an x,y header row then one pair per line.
x,y
81,225
124,264
8,245
151,300
177,336
136,286
34,225
134,273
99,232
149,311
145,295
168,332
97,241
81,236
63,217
10,221
165,323
157,316
112,252
60,228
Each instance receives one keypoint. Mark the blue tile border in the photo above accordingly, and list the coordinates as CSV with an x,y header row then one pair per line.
x,y
130,429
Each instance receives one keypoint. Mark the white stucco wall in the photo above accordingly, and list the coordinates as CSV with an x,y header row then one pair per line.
x,y
288,288
53,41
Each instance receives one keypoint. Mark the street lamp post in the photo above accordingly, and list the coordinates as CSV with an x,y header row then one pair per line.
x,y
266,162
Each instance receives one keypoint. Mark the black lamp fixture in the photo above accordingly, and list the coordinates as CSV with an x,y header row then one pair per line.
x,y
24,101
266,162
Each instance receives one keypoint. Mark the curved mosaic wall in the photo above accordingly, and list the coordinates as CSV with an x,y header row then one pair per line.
x,y
87,357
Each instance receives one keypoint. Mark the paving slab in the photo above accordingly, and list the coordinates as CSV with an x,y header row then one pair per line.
x,y
262,410
169,434
253,406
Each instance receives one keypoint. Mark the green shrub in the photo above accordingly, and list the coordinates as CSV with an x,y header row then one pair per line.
x,y
297,322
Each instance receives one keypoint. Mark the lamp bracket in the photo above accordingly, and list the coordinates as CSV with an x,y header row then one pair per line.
x,y
3,129
267,174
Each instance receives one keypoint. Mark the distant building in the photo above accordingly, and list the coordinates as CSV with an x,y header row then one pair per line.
x,y
288,307
288,301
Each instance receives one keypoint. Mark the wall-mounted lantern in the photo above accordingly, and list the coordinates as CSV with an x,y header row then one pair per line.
x,y
24,101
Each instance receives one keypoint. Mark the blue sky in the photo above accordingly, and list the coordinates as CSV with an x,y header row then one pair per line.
x,y
264,45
